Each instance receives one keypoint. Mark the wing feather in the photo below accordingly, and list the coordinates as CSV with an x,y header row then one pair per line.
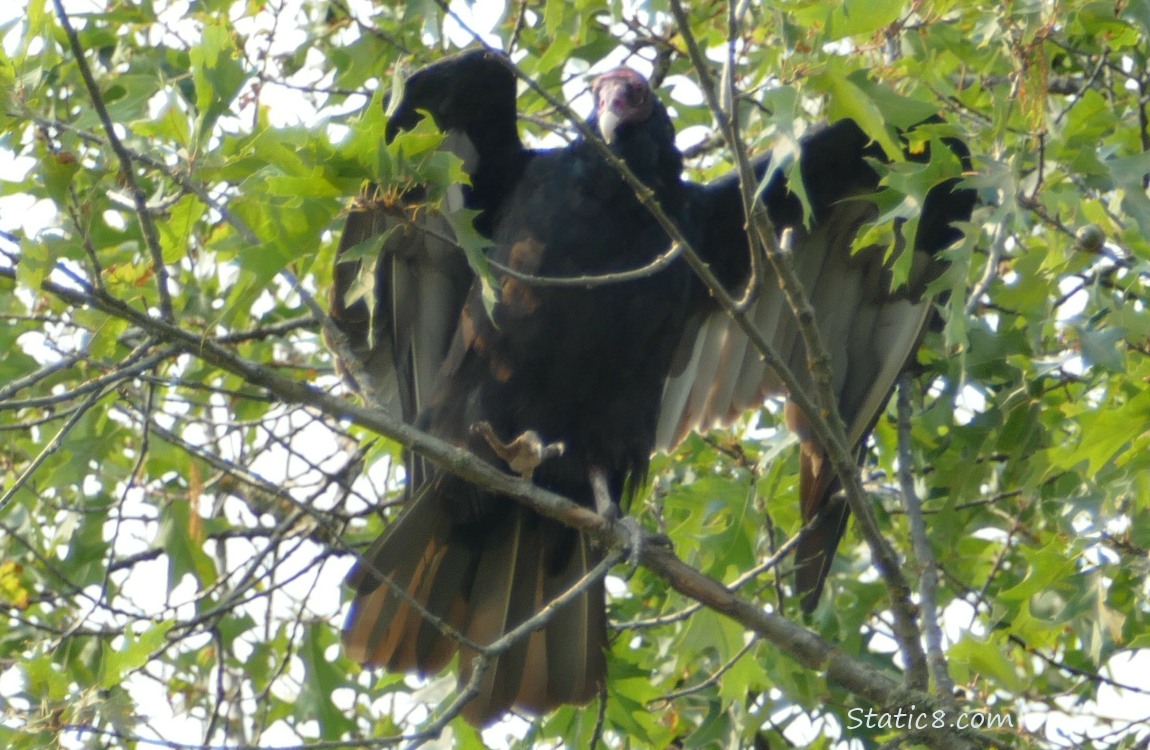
x,y
870,331
420,277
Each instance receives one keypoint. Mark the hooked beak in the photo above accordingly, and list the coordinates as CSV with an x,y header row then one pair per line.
x,y
609,121
614,107
621,96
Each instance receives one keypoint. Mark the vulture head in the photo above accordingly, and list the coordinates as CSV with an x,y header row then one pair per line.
x,y
623,98
636,127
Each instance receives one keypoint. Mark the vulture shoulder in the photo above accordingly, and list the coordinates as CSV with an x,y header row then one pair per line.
x,y
420,279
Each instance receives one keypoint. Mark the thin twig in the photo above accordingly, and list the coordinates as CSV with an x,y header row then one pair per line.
x,y
331,332
646,270
712,679
132,366
1086,84
51,447
15,386
990,270
773,561
127,168
483,658
927,564
826,421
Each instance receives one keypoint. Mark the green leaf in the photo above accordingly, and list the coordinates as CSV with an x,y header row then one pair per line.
x,y
321,678
972,657
1104,431
626,710
422,139
127,100
177,230
134,653
859,17
218,74
59,168
171,123
314,186
1046,566
1139,10
44,678
1103,348
177,537
902,112
847,100
554,14
709,631
474,246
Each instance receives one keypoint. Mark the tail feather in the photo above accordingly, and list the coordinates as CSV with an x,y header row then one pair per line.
x,y
565,663
817,485
434,650
494,605
406,653
379,622
816,550
579,635
533,687
483,577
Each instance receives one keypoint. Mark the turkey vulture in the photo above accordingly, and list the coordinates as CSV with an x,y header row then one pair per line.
x,y
602,374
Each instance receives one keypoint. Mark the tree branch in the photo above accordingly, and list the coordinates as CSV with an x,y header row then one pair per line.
x,y
127,169
927,564
799,643
823,414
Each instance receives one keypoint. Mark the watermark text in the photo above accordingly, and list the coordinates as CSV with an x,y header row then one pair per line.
x,y
915,720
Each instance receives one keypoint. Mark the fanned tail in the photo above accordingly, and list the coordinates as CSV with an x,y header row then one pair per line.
x,y
482,578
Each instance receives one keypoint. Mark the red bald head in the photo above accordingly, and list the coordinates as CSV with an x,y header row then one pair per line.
x,y
621,96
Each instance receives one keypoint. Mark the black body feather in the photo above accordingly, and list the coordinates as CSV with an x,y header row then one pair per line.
x,y
613,370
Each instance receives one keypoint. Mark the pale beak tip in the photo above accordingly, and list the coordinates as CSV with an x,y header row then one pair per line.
x,y
608,123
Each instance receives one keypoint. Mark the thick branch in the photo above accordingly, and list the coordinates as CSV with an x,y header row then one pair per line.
x,y
803,645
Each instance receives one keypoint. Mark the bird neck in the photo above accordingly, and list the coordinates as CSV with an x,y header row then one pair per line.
x,y
648,149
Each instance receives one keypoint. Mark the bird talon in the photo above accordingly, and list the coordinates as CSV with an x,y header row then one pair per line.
x,y
636,539
523,454
610,510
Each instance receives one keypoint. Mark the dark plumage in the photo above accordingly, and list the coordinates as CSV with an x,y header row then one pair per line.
x,y
611,371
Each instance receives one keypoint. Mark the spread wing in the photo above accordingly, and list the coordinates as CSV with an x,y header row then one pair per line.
x,y
418,281
870,331
421,281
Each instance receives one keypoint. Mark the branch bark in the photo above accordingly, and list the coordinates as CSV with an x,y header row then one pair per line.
x,y
801,644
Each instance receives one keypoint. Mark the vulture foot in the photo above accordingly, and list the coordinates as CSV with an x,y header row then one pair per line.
x,y
637,536
523,454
